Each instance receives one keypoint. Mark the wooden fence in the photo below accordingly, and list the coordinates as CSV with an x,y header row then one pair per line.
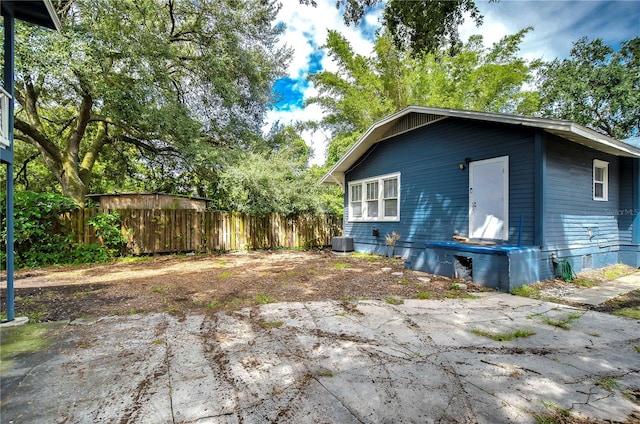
x,y
166,231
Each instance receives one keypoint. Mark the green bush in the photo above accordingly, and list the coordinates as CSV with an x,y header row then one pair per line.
x,y
39,235
107,227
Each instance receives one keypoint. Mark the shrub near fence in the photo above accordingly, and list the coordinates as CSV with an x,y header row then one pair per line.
x,y
169,231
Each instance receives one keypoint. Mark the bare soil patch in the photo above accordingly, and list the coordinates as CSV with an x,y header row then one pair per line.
x,y
210,283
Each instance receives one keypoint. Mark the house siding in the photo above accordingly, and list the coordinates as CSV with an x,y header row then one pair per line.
x,y
577,228
628,213
434,192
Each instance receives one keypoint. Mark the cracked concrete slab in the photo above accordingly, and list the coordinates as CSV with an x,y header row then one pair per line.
x,y
330,362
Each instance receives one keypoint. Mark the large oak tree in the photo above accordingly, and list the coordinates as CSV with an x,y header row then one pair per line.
x,y
158,75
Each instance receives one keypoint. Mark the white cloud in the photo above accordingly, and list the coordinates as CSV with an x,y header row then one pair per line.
x,y
307,27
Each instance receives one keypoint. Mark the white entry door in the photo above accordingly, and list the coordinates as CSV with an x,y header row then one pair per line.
x,y
489,198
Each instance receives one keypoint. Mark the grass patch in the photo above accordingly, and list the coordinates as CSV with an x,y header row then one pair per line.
x,y
404,282
614,272
271,324
581,282
607,383
341,265
562,322
633,312
213,304
263,299
504,337
471,296
637,349
162,289
424,295
526,291
366,256
157,342
235,303
394,300
25,339
224,274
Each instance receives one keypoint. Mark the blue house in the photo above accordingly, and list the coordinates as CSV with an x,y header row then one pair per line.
x,y
498,199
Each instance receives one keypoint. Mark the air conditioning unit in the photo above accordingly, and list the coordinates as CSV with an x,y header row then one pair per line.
x,y
342,244
5,98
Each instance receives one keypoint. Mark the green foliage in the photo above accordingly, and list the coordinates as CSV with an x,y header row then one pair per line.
x,y
504,337
39,235
596,87
417,25
107,226
526,291
365,89
562,322
273,177
144,80
631,312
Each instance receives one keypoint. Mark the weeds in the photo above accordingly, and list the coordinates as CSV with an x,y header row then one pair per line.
x,y
633,312
526,291
263,299
424,295
607,383
394,300
270,324
366,256
504,337
341,265
562,322
556,415
581,282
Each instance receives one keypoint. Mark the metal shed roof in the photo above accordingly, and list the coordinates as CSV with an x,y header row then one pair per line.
x,y
384,129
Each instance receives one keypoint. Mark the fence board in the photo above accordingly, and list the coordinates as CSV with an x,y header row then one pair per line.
x,y
151,231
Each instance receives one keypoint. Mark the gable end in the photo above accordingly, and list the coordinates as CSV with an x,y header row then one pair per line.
x,y
410,122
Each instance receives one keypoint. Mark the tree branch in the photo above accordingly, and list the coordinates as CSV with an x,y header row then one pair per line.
x,y
36,138
127,129
76,135
92,153
149,147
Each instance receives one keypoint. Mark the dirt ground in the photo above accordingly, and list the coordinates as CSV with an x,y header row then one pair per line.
x,y
210,283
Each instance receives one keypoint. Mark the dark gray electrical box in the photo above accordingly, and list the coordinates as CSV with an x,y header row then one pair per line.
x,y
342,244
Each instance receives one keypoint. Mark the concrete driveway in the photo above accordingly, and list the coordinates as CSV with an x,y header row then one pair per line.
x,y
334,362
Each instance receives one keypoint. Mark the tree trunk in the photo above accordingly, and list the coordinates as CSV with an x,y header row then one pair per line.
x,y
71,182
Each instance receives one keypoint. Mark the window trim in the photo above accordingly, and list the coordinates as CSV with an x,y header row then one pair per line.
x,y
600,164
380,179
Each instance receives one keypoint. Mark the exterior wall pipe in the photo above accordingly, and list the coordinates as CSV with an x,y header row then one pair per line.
x,y
9,55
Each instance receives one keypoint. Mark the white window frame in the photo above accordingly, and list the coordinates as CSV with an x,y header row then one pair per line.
x,y
5,98
600,164
380,200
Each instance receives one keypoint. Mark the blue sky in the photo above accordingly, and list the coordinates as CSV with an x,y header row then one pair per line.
x,y
557,24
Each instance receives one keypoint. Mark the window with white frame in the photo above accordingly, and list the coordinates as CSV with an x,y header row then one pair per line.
x,y
355,201
600,180
381,200
4,118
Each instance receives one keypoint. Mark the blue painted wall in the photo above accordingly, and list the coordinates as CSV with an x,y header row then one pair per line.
x,y
434,193
434,197
584,231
